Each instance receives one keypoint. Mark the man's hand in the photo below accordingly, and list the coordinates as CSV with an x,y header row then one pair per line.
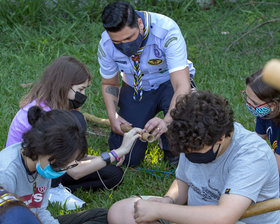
x,y
157,125
115,124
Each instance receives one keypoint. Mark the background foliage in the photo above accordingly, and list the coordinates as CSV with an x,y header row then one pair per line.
x,y
34,33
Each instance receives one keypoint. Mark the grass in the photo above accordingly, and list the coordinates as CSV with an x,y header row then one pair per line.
x,y
34,33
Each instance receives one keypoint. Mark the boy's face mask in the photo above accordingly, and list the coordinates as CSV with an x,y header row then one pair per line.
x,y
206,157
48,172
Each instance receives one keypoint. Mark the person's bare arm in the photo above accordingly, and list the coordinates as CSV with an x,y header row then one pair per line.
x,y
89,166
229,209
110,92
181,84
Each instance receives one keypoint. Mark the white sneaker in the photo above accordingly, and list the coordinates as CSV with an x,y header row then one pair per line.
x,y
64,197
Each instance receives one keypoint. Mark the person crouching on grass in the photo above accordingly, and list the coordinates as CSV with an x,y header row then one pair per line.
x,y
223,169
55,143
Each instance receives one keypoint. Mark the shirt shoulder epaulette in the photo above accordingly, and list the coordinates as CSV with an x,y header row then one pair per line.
x,y
105,37
158,31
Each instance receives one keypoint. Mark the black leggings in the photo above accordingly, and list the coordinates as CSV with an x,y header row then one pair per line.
x,y
91,216
111,175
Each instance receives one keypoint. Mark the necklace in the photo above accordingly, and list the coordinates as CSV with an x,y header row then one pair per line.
x,y
32,177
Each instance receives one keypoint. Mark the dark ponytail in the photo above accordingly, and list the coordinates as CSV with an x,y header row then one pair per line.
x,y
34,113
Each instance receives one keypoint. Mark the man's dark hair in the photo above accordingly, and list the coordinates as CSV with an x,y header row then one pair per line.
x,y
200,118
57,133
117,15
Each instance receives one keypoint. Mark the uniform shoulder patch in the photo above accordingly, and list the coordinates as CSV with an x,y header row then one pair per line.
x,y
169,41
100,51
154,61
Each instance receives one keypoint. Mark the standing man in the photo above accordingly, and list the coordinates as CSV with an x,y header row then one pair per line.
x,y
149,52
223,169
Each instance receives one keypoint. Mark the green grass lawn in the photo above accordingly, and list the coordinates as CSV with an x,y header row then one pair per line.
x,y
34,33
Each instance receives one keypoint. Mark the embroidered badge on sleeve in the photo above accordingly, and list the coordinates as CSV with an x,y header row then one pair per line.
x,y
100,53
171,39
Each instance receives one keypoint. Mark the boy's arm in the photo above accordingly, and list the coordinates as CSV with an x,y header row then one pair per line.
x,y
178,192
229,209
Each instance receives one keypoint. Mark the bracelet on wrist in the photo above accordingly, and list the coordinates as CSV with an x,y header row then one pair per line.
x,y
114,154
171,199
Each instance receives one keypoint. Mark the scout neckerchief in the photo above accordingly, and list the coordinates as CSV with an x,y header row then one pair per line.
x,y
138,91
6,197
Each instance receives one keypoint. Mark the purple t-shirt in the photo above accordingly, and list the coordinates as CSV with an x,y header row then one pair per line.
x,y
20,123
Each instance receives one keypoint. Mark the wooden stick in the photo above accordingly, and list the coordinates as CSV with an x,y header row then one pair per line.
x,y
262,207
145,136
97,120
125,128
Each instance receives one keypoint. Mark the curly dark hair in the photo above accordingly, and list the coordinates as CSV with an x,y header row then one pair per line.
x,y
200,118
57,133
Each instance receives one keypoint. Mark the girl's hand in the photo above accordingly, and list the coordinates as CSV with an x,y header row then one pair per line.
x,y
121,161
128,139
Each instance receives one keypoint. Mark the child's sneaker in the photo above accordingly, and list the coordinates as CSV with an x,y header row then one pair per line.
x,y
64,197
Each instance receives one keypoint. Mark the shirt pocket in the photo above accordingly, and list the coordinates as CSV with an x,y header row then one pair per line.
x,y
127,69
157,66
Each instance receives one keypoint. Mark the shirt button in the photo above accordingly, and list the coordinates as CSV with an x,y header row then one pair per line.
x,y
143,74
160,69
151,26
152,85
121,70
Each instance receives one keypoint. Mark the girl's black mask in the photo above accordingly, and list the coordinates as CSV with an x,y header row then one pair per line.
x,y
78,100
206,157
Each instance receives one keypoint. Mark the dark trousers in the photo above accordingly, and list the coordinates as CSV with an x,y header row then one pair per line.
x,y
91,216
111,175
138,113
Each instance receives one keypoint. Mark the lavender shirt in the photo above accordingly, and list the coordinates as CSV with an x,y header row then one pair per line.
x,y
20,123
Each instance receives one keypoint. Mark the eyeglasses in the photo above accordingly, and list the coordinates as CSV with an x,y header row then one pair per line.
x,y
245,97
56,169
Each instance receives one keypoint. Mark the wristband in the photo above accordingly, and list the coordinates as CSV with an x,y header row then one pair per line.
x,y
115,155
172,200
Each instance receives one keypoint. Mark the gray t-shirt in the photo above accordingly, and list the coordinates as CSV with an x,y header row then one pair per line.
x,y
14,178
247,167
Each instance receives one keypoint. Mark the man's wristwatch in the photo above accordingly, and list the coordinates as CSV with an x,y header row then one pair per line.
x,y
106,157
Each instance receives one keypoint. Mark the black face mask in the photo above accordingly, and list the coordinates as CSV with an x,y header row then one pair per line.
x,y
78,100
130,48
206,157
